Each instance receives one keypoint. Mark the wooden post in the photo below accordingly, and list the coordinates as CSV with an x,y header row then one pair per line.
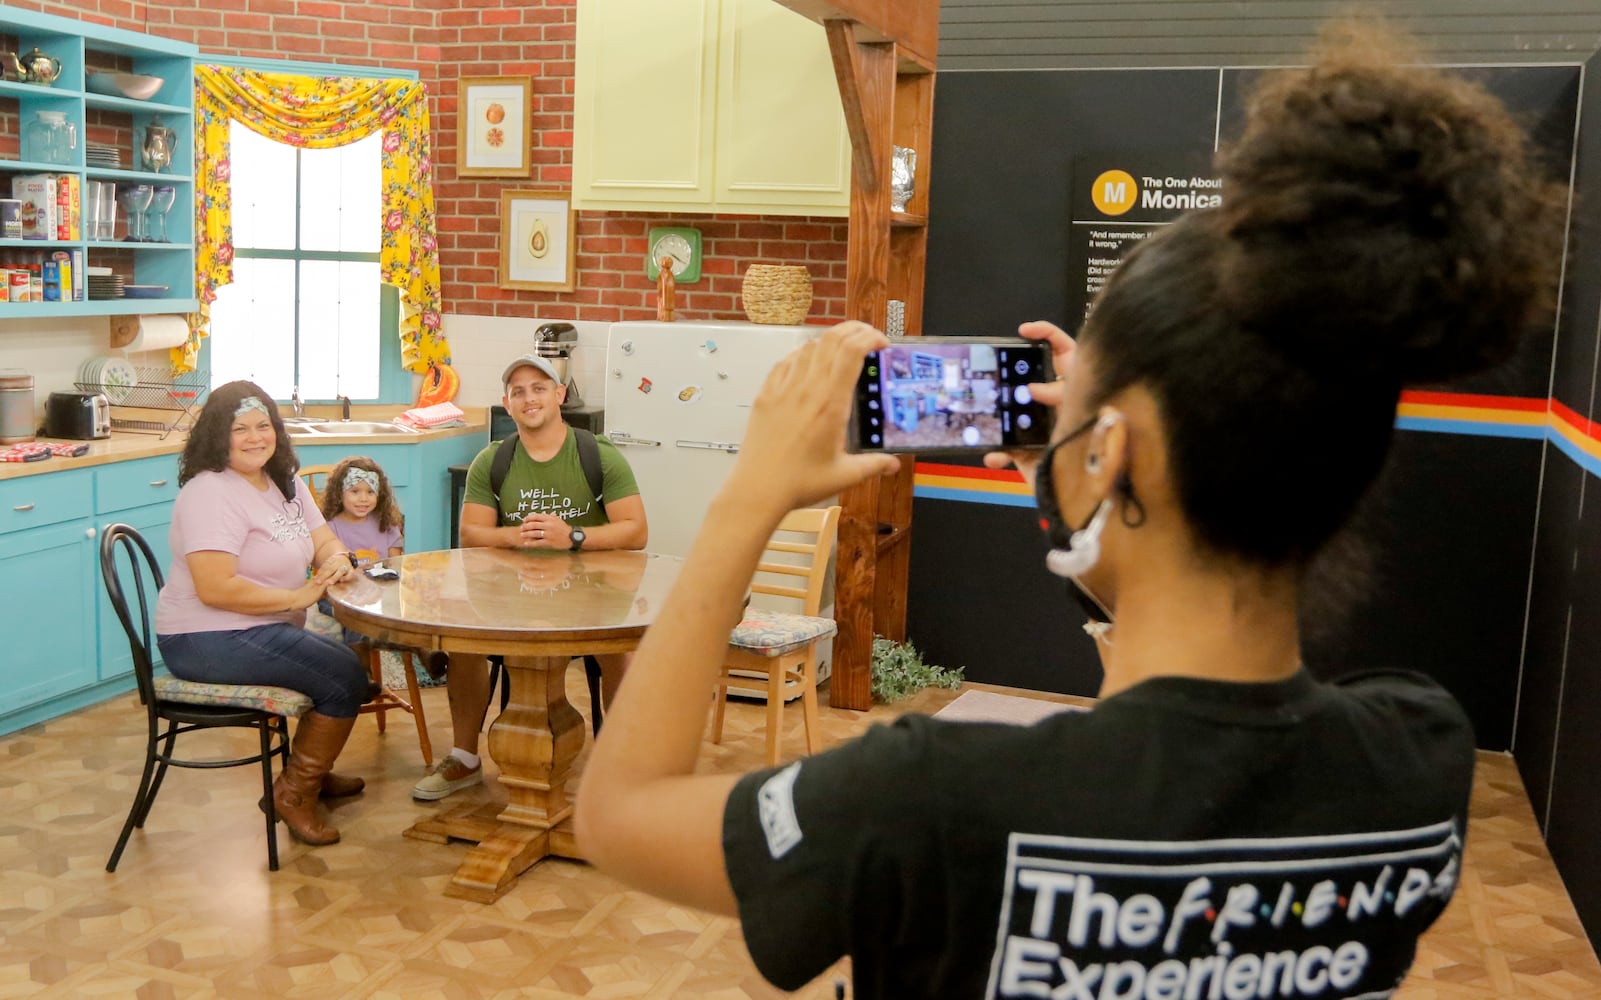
x,y
883,54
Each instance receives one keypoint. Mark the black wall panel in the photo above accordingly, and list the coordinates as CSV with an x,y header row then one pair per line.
x,y
1540,692
1573,818
1003,149
1450,547
1558,744
979,597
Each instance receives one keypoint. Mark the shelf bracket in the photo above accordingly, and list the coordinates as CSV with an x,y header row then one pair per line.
x,y
858,93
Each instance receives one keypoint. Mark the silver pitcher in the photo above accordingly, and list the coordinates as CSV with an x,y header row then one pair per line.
x,y
157,149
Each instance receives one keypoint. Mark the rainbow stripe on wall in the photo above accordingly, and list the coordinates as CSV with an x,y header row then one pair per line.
x,y
1430,412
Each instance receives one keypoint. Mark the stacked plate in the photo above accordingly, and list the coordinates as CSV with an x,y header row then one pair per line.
x,y
104,286
98,154
116,377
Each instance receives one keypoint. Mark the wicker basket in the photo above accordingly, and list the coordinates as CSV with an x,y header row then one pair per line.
x,y
776,293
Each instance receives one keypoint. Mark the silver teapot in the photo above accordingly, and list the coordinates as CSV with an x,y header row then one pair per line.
x,y
35,67
158,146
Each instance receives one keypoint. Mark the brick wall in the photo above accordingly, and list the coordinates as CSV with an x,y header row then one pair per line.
x,y
444,39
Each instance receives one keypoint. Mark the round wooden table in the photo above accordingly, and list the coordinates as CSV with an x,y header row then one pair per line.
x,y
538,609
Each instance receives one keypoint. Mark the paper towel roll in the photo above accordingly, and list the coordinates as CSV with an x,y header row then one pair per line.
x,y
148,333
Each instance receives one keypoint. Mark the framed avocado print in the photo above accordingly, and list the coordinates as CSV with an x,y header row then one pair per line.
x,y
538,241
492,134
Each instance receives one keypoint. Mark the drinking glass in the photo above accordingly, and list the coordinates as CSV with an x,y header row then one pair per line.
x,y
160,206
135,200
107,216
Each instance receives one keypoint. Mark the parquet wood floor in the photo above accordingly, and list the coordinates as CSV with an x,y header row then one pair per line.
x,y
193,911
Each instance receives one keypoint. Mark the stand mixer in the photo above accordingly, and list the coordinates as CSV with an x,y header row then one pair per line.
x,y
555,342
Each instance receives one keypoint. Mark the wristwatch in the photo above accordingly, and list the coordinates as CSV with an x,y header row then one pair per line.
x,y
578,538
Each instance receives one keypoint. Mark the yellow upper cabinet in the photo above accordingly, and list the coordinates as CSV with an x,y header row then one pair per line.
x,y
706,106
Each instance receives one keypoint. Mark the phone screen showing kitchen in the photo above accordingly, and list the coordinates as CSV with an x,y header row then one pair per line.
x,y
945,394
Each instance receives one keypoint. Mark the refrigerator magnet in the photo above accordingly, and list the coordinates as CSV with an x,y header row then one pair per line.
x,y
645,385
689,393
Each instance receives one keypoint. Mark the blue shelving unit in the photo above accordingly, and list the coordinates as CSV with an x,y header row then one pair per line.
x,y
81,45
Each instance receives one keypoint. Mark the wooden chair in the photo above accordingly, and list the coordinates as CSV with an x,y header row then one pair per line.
x,y
782,648
174,707
388,700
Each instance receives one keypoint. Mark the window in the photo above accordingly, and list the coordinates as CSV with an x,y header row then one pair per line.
x,y
303,310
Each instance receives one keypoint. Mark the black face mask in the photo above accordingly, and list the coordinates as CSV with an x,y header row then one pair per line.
x,y
1056,530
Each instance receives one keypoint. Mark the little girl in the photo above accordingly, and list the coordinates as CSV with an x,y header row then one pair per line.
x,y
361,509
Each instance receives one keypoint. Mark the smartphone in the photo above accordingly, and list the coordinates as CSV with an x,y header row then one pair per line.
x,y
952,394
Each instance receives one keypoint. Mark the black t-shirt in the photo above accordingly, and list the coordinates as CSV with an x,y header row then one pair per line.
x,y
1184,839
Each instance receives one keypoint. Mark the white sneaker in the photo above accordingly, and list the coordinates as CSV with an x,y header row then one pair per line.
x,y
447,777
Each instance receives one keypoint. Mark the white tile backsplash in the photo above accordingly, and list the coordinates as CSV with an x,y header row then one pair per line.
x,y
481,347
52,349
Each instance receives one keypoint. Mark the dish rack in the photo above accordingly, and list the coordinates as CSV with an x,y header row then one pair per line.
x,y
157,388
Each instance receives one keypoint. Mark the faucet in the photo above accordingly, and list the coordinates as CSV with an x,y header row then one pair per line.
x,y
344,407
294,401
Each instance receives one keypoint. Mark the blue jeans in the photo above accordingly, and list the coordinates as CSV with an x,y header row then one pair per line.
x,y
280,654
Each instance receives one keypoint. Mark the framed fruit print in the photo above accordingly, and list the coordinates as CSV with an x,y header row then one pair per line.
x,y
492,119
538,240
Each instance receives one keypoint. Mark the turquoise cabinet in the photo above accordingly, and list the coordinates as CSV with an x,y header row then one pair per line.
x,y
47,558
140,494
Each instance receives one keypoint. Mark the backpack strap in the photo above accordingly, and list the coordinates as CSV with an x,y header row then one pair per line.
x,y
588,458
500,466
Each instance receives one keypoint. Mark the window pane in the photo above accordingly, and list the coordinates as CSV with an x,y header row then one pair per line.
x,y
262,174
339,197
252,327
338,329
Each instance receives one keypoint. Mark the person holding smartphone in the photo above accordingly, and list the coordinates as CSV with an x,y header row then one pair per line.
x,y
1221,823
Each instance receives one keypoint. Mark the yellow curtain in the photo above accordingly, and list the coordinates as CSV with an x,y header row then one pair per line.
x,y
322,113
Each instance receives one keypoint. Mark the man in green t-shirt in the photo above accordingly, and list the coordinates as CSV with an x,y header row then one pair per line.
x,y
544,502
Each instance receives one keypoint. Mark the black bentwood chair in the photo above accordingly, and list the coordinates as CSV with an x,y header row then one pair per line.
x,y
174,706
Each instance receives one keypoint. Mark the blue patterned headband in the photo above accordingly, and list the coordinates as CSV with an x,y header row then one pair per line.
x,y
249,403
355,476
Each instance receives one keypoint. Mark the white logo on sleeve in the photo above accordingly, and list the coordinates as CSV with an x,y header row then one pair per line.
x,y
775,805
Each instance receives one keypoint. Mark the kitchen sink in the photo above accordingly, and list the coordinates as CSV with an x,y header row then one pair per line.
x,y
344,427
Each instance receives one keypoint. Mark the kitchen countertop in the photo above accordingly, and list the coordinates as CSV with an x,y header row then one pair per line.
x,y
123,446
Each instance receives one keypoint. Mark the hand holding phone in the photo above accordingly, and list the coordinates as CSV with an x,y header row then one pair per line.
x,y
952,394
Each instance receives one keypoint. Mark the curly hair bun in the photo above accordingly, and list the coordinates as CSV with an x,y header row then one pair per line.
x,y
1383,216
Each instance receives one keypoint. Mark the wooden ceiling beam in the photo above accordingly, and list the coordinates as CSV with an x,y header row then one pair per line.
x,y
911,25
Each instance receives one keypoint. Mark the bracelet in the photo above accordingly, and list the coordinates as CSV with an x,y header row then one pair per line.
x,y
349,555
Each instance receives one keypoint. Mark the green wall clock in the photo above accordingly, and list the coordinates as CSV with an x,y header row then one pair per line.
x,y
682,244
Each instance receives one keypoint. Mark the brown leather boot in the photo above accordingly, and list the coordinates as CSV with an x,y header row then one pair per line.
x,y
318,740
338,785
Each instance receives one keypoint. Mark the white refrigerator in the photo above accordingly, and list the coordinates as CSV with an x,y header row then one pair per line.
x,y
678,396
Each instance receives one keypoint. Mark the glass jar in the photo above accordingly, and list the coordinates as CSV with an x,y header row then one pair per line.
x,y
51,138
16,406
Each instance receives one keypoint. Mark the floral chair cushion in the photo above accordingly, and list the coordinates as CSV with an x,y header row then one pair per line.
x,y
770,633
277,700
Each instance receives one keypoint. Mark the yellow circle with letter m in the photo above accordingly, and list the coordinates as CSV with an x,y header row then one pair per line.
x,y
1115,192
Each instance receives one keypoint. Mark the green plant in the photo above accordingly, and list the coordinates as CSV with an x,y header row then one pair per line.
x,y
899,671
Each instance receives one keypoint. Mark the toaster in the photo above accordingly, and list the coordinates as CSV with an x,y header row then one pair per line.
x,y
79,415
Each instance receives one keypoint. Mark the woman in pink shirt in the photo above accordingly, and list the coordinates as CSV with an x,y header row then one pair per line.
x,y
251,552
